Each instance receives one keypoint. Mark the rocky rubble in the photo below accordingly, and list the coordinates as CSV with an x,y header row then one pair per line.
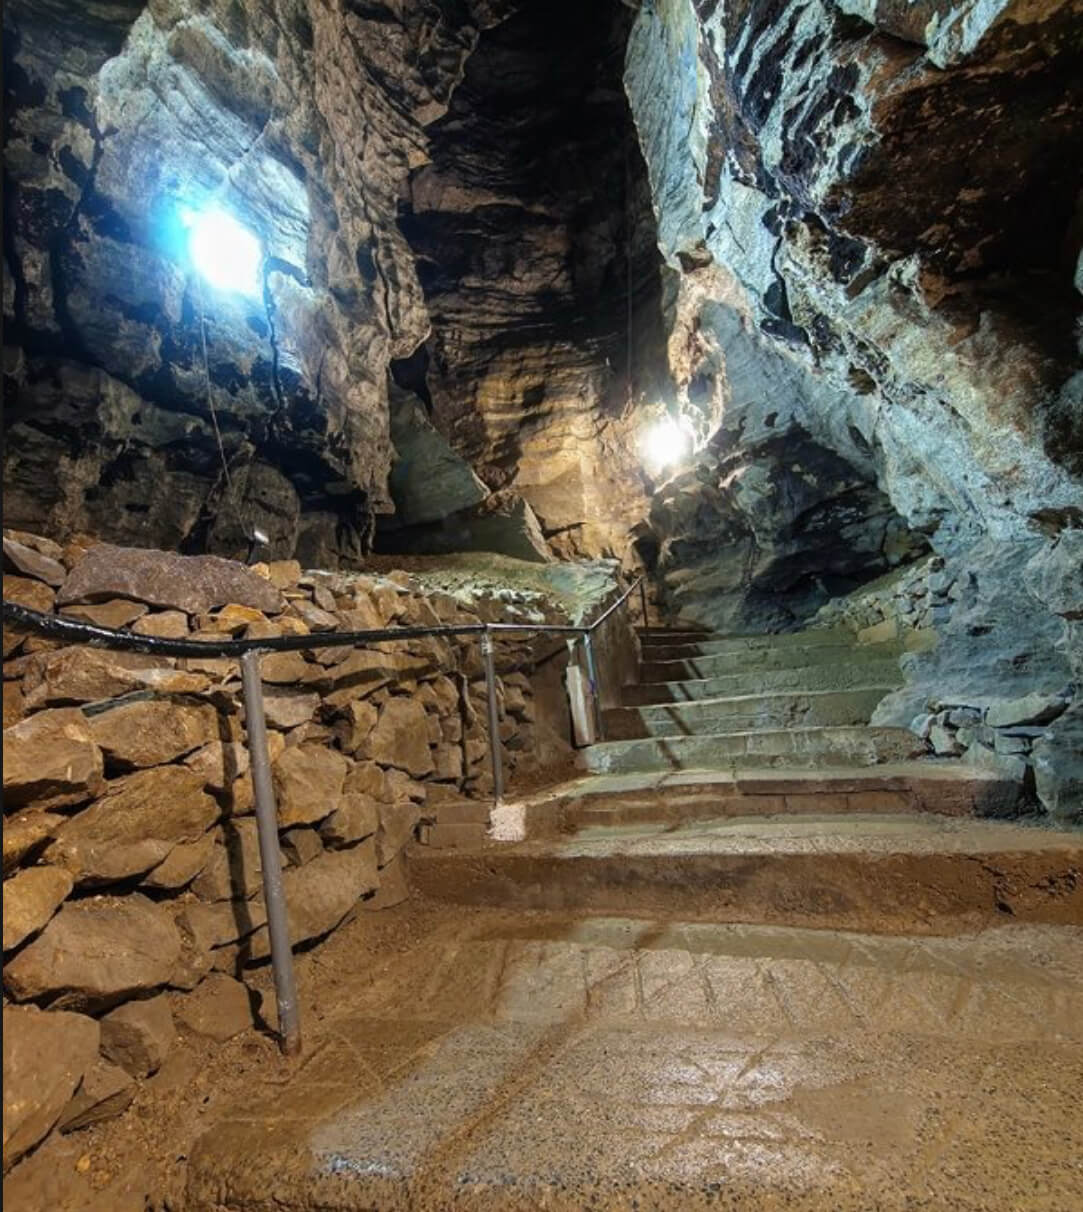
x,y
132,870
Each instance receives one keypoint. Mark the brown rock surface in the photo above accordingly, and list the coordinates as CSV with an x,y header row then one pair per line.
x,y
154,731
118,613
288,708
34,563
105,1092
139,1035
25,832
181,865
46,1054
51,759
218,1008
400,738
84,675
95,952
356,817
194,584
30,899
167,624
135,825
397,825
308,781
27,592
220,763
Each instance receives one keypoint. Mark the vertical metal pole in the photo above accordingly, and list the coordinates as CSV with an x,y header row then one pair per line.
x,y
595,689
289,1024
494,721
643,598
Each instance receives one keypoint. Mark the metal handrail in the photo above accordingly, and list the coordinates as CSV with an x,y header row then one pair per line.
x,y
247,653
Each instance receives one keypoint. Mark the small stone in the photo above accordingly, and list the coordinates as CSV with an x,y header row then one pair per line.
x,y
393,889
36,541
400,738
943,741
356,817
232,619
95,951
51,758
34,563
1003,743
308,781
314,618
139,1035
219,1008
355,727
86,675
181,865
283,668
287,708
1034,708
31,594
397,825
166,624
301,845
46,1054
152,732
106,1091
368,778
235,870
117,613
219,763
283,574
30,900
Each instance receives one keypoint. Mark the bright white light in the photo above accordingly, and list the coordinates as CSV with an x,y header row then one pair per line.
x,y
225,253
666,443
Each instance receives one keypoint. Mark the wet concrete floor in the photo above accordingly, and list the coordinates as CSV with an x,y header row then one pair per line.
x,y
532,1060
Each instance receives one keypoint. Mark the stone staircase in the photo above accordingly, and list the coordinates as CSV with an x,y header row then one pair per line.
x,y
741,781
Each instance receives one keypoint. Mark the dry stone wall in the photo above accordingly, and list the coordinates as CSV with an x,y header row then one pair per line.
x,y
132,880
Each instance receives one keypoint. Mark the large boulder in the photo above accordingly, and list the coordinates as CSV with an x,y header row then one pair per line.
x,y
400,738
151,732
134,825
194,584
46,1054
30,900
97,952
51,759
308,782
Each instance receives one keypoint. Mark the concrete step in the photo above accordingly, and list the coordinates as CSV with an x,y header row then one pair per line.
x,y
887,872
801,748
834,675
942,787
663,649
724,664
745,712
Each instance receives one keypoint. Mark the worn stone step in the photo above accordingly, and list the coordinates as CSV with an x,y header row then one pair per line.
x,y
746,712
724,664
669,650
943,787
834,675
796,747
883,872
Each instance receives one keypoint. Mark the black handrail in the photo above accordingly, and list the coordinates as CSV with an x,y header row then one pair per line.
x,y
59,627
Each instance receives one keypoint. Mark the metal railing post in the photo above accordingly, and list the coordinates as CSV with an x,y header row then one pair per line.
x,y
643,598
494,721
595,688
289,1024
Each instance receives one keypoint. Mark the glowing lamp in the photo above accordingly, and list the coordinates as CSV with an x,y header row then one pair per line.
x,y
665,444
226,254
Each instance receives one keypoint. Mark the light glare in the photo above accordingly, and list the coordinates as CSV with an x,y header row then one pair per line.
x,y
665,444
226,254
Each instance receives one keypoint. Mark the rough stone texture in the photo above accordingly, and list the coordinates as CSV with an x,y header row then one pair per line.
x,y
85,675
45,1056
356,817
181,865
52,759
400,738
25,832
134,826
138,1035
308,782
218,1008
95,952
105,1092
152,732
30,899
34,563
194,584
397,824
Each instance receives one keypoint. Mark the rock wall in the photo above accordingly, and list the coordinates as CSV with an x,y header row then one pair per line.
x,y
132,879
875,223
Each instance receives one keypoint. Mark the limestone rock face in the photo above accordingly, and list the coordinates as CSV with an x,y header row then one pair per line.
x,y
46,1054
95,952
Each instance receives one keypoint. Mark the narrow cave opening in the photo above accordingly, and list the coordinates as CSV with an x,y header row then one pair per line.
x,y
535,243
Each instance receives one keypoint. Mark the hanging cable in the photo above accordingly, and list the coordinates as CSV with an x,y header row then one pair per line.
x,y
628,251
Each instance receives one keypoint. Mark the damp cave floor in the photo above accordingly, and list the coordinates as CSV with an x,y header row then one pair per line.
x,y
549,1060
